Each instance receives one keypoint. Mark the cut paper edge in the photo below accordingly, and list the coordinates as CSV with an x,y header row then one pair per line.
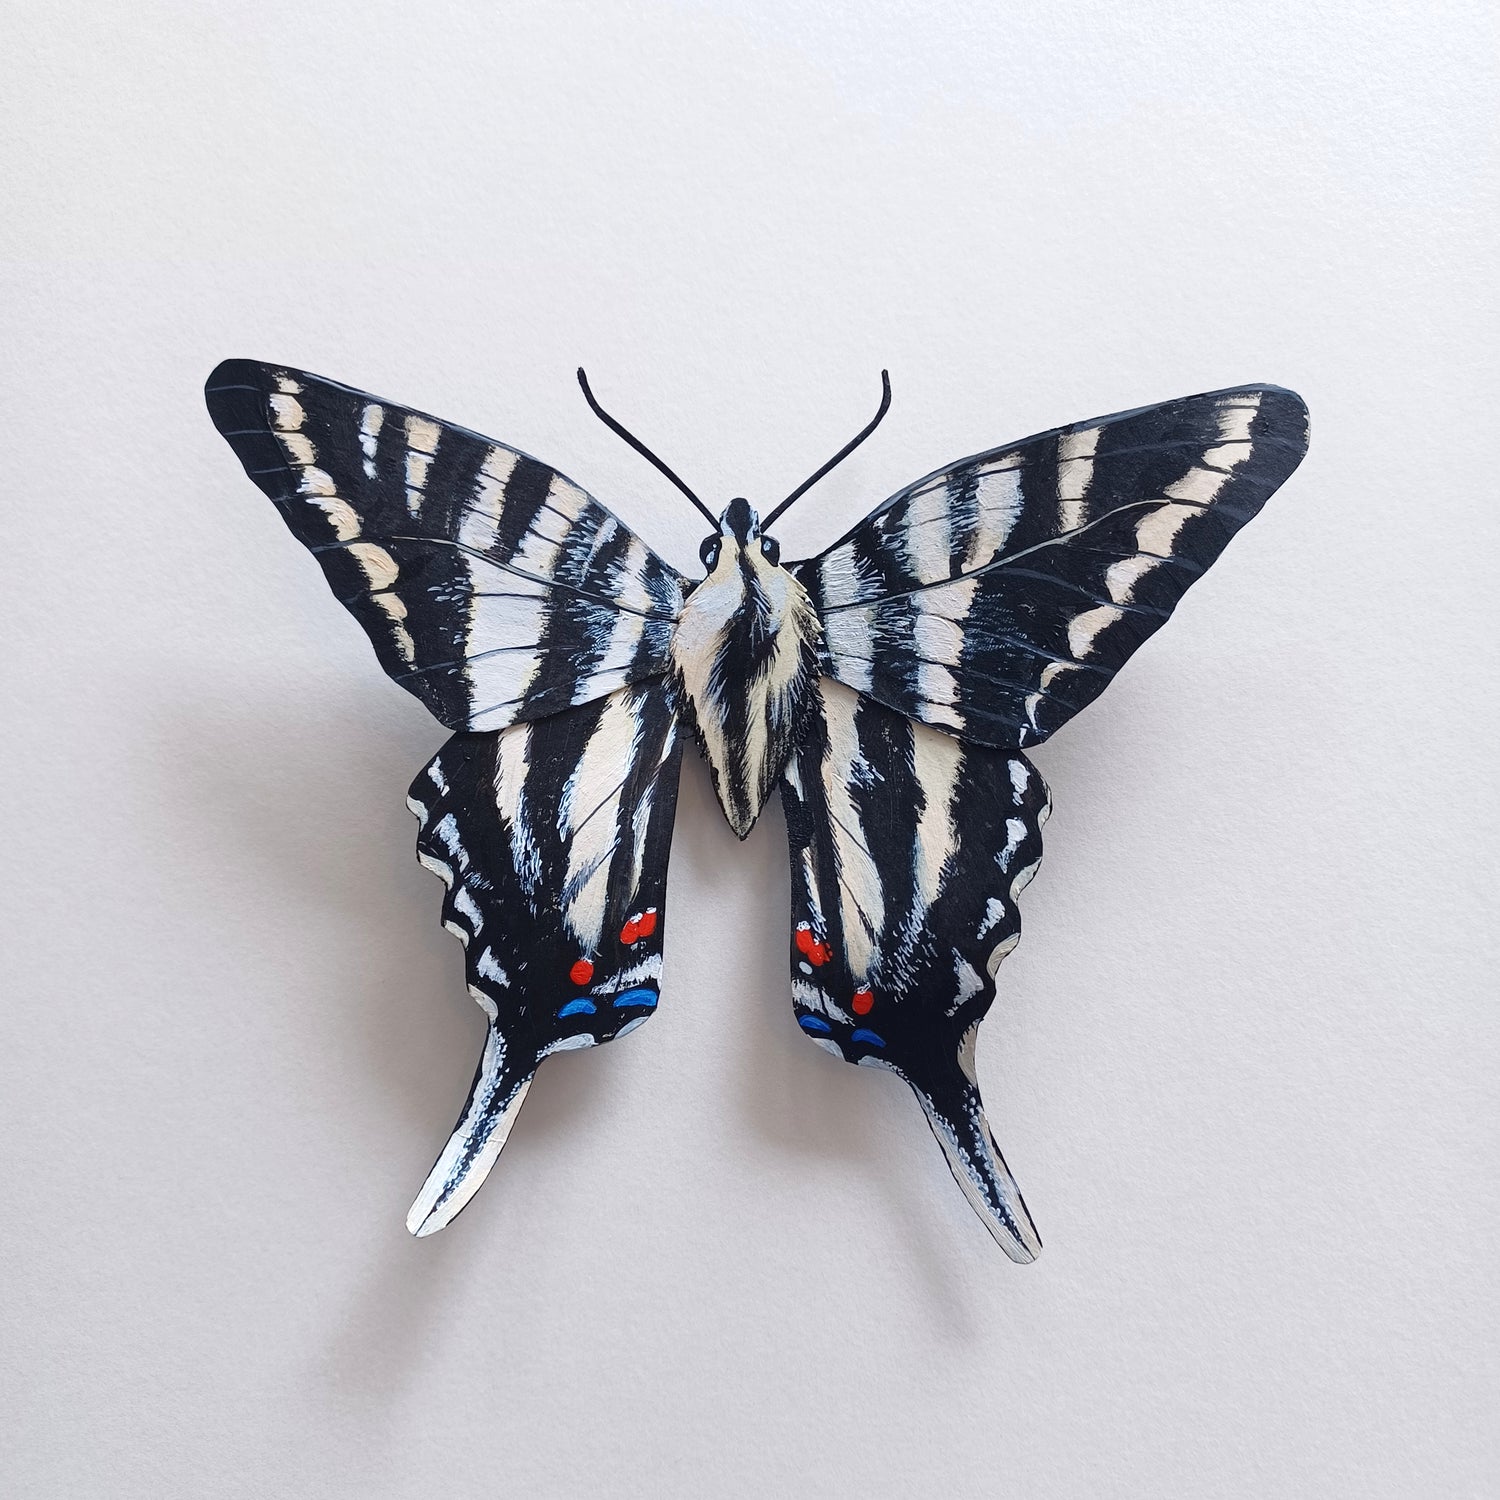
x,y
472,1149
980,1170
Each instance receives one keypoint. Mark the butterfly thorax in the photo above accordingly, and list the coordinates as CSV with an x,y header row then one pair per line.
x,y
745,656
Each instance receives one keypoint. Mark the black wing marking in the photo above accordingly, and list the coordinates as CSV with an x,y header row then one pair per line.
x,y
996,598
492,587
552,838
909,850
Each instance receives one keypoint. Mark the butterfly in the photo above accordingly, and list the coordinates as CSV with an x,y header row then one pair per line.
x,y
887,688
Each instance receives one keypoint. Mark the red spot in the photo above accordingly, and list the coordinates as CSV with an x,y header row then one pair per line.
x,y
820,953
631,930
646,923
863,1002
805,940
581,972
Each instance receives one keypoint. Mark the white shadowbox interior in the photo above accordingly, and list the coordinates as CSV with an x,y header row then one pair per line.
x,y
1243,1059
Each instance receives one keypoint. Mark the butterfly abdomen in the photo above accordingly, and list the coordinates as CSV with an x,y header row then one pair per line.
x,y
744,657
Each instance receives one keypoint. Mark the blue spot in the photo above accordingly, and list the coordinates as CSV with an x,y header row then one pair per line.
x,y
577,1008
815,1024
635,997
868,1036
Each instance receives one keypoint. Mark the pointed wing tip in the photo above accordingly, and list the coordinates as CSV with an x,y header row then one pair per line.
x,y
477,1139
1014,1232
1023,1250
431,1213
231,373
422,1222
1292,405
980,1171
431,1210
235,395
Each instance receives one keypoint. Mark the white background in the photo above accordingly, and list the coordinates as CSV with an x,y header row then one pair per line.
x,y
1244,1063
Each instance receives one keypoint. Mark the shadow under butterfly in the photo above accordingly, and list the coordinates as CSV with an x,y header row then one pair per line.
x,y
887,687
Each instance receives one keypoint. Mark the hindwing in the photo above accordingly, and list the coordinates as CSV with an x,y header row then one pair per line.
x,y
909,850
552,839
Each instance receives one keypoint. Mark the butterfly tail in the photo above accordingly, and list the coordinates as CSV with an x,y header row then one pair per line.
x,y
956,1114
493,1104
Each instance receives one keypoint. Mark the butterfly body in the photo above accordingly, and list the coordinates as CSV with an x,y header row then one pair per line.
x,y
745,657
887,688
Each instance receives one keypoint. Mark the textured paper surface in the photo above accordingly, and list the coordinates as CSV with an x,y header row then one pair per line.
x,y
1244,1058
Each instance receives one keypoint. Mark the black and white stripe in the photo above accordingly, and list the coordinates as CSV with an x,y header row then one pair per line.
x,y
492,587
550,838
996,598
909,850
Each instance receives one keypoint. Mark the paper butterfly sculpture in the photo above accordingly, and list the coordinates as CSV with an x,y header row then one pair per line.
x,y
887,687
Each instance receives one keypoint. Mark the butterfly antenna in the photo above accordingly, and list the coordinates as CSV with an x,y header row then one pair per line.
x,y
640,447
841,455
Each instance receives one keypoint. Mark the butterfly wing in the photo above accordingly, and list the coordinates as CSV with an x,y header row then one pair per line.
x,y
526,616
552,839
996,598
492,587
909,850
990,601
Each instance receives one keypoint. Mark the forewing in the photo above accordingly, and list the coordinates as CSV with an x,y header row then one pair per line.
x,y
996,598
492,587
909,850
552,839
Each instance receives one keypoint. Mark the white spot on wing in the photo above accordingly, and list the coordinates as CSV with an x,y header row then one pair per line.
x,y
1084,628
936,684
422,436
1075,472
1122,576
575,1043
341,516
1156,532
370,421
299,447
314,482
840,578
998,508
287,414
966,983
464,902
482,512
937,637
378,564
924,536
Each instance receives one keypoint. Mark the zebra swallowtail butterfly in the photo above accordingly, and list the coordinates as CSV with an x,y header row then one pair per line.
x,y
888,687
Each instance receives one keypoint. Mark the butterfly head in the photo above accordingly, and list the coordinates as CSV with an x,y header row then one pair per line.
x,y
738,542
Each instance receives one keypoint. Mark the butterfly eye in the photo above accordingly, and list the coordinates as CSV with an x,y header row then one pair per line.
x,y
770,549
709,552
